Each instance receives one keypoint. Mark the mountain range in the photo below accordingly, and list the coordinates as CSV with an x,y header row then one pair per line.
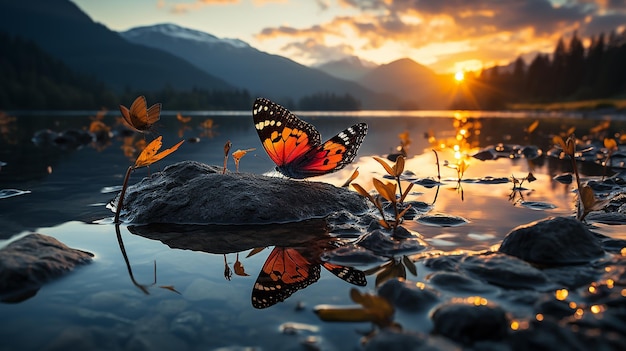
x,y
168,56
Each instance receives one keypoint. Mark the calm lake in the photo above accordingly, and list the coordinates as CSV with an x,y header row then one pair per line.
x,y
192,305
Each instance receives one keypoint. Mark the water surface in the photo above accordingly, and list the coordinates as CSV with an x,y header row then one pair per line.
x,y
191,305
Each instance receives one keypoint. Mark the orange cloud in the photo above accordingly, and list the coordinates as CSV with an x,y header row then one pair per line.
x,y
192,6
488,31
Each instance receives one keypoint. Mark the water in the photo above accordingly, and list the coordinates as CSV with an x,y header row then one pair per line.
x,y
191,305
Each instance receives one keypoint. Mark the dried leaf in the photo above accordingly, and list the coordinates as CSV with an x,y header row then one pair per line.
x,y
386,190
182,119
239,270
170,288
255,251
610,144
398,168
587,197
385,165
149,155
354,175
410,265
363,192
558,140
403,212
406,192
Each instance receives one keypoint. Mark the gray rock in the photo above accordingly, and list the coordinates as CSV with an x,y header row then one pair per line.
x,y
408,296
505,271
190,192
31,261
467,323
553,241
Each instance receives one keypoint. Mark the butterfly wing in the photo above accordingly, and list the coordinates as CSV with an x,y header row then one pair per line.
x,y
139,117
153,115
285,137
346,273
295,146
331,156
285,271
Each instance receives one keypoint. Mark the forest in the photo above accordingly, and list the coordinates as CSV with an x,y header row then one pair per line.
x,y
572,72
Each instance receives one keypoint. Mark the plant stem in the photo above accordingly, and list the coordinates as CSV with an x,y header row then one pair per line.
x,y
438,169
120,202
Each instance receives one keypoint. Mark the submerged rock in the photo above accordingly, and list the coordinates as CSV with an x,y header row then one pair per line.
x,y
553,241
190,192
468,323
409,296
31,261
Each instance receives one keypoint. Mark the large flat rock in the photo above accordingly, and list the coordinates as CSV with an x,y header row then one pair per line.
x,y
190,192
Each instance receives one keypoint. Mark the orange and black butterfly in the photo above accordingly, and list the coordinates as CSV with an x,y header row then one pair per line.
x,y
286,271
140,117
296,146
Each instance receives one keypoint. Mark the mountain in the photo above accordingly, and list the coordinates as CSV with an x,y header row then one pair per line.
x,y
417,85
350,68
263,74
32,79
61,29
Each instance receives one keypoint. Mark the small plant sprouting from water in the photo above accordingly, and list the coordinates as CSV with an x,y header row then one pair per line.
x,y
387,191
611,146
148,156
587,201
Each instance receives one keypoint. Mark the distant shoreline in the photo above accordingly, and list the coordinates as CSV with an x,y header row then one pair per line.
x,y
612,105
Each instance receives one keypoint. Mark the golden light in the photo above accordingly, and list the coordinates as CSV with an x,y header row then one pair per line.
x,y
459,76
561,294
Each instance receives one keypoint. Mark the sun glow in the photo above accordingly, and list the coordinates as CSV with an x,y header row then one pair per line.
x,y
459,76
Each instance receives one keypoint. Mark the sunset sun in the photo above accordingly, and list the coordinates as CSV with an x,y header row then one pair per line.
x,y
459,76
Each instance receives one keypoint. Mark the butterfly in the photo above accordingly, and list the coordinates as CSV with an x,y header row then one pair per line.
x,y
296,146
140,117
287,270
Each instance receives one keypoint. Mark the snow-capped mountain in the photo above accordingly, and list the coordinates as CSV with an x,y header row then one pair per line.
x,y
175,31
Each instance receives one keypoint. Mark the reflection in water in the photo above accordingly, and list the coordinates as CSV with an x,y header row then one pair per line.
x,y
293,264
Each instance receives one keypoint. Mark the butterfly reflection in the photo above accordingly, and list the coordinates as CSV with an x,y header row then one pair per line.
x,y
289,269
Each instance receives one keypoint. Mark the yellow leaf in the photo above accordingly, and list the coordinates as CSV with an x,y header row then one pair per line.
x,y
354,175
406,192
386,190
255,251
239,270
387,167
401,214
241,153
398,168
587,196
570,145
610,144
533,126
149,155
558,140
363,192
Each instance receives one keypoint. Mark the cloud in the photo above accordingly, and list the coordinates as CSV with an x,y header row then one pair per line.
x,y
198,4
498,30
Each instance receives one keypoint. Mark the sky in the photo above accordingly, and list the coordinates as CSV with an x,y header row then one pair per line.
x,y
446,35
